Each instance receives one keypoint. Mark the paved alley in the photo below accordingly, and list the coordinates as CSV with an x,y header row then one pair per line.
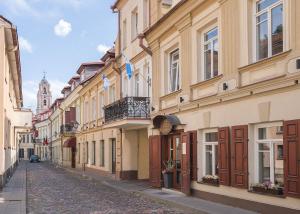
x,y
54,190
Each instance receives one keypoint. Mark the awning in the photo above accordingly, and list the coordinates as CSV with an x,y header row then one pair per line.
x,y
71,142
174,120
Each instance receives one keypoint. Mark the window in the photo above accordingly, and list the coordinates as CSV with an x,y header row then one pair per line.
x,y
21,153
86,111
45,91
269,155
45,102
136,84
134,24
210,156
269,28
124,41
94,108
146,13
174,71
101,104
112,92
102,153
211,54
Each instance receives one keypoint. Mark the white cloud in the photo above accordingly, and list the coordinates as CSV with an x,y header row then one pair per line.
x,y
20,7
25,45
102,48
62,28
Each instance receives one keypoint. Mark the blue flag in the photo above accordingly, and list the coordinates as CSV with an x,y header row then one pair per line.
x,y
128,70
106,82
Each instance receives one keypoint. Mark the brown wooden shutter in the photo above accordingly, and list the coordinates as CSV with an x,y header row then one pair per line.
x,y
72,114
67,117
185,164
291,142
155,160
224,156
239,156
193,142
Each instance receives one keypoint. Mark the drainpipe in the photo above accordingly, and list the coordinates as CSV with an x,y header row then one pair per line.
x,y
50,139
121,151
141,44
61,138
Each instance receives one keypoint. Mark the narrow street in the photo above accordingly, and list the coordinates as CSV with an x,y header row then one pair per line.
x,y
54,190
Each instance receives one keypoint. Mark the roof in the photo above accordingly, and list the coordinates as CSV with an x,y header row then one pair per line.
x,y
57,100
114,6
89,78
65,88
74,78
109,54
87,64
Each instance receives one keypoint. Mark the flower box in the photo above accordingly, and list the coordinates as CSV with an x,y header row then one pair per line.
x,y
211,181
270,191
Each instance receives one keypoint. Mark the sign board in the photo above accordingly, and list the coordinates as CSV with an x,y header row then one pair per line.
x,y
165,127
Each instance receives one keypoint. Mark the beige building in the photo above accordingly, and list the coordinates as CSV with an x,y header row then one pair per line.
x,y
224,105
14,121
26,148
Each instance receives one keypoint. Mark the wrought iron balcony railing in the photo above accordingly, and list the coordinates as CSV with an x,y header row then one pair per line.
x,y
128,108
67,129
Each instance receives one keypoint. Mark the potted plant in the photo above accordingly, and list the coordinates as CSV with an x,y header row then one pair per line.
x,y
211,179
268,188
168,173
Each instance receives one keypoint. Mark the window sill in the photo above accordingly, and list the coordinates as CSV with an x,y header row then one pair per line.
x,y
206,82
267,194
171,94
209,184
265,61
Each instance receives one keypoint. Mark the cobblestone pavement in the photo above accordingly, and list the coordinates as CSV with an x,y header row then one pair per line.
x,y
54,190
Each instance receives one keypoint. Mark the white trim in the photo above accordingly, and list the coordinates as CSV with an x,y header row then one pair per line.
x,y
267,10
271,143
178,77
204,144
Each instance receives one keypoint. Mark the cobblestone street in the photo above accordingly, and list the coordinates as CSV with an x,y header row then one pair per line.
x,y
54,190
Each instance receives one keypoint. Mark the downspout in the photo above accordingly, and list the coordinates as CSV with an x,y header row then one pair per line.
x,y
119,71
50,139
141,44
61,138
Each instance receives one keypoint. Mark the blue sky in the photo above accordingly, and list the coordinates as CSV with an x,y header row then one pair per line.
x,y
56,36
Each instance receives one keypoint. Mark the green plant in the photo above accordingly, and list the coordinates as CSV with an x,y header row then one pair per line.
x,y
169,166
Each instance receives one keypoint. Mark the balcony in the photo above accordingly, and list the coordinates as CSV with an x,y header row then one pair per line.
x,y
128,108
68,130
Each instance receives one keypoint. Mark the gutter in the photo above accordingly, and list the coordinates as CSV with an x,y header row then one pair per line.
x,y
141,44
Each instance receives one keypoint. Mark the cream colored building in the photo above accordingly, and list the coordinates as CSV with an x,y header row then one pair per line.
x,y
14,120
225,82
26,148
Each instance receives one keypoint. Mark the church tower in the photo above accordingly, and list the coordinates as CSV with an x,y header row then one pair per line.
x,y
44,96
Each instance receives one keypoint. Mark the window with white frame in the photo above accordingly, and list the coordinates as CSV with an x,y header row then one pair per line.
x,y
210,152
94,108
86,111
269,28
174,76
269,154
134,23
211,54
124,31
146,13
136,84
112,94
101,104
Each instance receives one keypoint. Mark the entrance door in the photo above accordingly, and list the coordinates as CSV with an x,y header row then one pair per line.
x,y
155,160
113,156
174,153
186,163
73,150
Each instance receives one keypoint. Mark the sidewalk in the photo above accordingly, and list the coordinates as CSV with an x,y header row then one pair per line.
x,y
13,195
175,198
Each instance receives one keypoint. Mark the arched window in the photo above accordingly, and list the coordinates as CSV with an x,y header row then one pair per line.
x,y
45,102
45,91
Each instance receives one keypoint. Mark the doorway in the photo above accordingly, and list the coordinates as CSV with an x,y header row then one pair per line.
x,y
73,153
174,153
113,156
